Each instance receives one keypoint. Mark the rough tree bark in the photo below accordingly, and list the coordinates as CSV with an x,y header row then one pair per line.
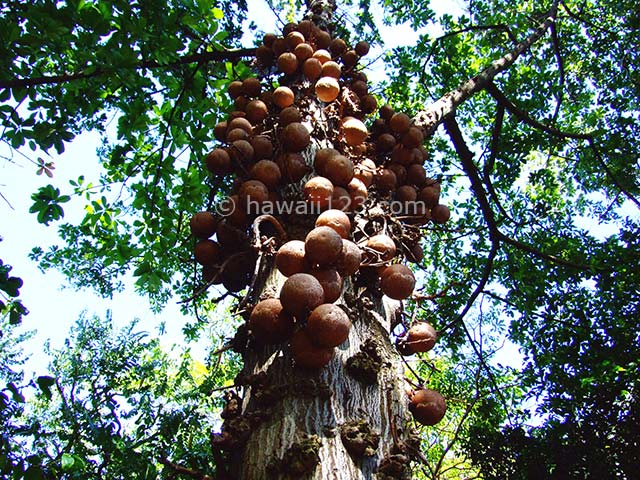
x,y
304,403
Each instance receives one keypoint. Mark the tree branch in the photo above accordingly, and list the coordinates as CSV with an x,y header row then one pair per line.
x,y
204,57
524,117
434,115
184,470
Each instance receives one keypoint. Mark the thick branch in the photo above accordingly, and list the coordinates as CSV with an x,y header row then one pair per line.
x,y
204,57
466,157
495,234
435,114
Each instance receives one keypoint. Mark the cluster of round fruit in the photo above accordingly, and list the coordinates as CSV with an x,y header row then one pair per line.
x,y
315,269
321,100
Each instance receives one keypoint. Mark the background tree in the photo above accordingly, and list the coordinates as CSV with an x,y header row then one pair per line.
x,y
535,157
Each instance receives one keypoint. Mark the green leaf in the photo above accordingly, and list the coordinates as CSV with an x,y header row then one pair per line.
x,y
45,383
15,393
218,14
67,462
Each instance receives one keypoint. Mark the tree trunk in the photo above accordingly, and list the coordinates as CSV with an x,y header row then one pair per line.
x,y
294,404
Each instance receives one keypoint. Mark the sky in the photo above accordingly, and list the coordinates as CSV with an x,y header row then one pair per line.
x,y
54,307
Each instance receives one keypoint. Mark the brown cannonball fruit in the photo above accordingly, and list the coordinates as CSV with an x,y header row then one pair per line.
x,y
262,147
402,155
240,123
293,167
218,162
251,86
328,325
400,122
268,39
323,246
237,134
305,27
240,103
440,214
303,52
338,47
279,46
229,237
203,224
211,274
294,39
361,76
430,194
427,406
400,171
235,89
359,88
236,114
397,281
385,180
207,252
323,155
283,97
322,56
336,219
416,175
267,98
264,56
327,89
331,282
306,354
295,137
415,253
322,39
312,69
406,193
288,63
220,131
339,169
269,323
350,258
257,111
234,212
355,132
383,245
267,172
368,104
421,337
290,258
340,200
241,152
349,58
362,48
318,190
386,112
331,69
300,294
413,138
253,191
358,192
237,272
288,28
385,143
289,115
365,171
